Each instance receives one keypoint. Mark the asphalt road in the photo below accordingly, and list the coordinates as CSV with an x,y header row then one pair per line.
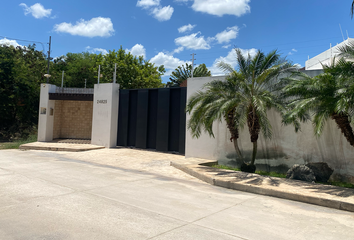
x,y
132,194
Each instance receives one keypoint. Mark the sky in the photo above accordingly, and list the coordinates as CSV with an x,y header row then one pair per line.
x,y
167,32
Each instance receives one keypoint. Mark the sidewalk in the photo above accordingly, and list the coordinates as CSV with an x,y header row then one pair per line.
x,y
313,193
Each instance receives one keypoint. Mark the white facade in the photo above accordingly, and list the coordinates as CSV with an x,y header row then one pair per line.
x,y
326,57
104,116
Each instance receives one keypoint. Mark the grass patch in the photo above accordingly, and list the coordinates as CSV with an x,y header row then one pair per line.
x,y
16,143
339,184
263,173
282,175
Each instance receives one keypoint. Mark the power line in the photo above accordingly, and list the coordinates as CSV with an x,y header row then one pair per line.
x,y
43,46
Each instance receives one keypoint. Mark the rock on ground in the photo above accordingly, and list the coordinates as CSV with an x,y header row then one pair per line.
x,y
301,172
321,170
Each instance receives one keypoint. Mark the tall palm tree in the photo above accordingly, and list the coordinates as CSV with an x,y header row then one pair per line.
x,y
245,97
327,96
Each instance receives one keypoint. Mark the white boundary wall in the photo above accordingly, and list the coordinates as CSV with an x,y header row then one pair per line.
x,y
105,115
286,146
46,113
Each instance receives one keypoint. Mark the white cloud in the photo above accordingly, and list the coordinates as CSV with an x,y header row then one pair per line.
x,y
228,34
193,42
226,46
178,50
96,50
163,13
155,8
292,51
182,1
170,63
230,59
7,42
148,3
96,27
222,7
37,10
298,65
138,50
186,28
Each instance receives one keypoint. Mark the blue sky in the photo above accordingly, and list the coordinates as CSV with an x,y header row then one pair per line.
x,y
168,31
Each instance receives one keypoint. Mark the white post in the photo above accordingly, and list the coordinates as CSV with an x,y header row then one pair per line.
x,y
193,63
105,115
115,73
99,73
62,79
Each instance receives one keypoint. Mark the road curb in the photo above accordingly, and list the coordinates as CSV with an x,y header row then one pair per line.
x,y
206,174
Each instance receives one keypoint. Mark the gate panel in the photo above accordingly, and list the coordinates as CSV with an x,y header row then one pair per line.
x,y
133,104
142,118
163,113
153,119
123,118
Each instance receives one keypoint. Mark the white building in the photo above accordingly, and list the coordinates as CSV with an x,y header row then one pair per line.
x,y
326,57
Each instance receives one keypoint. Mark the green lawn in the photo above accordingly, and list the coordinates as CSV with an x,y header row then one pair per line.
x,y
16,143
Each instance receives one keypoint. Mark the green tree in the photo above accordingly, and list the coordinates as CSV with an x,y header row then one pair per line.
x,y
244,98
132,71
21,72
182,73
327,96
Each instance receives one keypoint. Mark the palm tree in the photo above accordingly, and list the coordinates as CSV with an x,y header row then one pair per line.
x,y
326,96
245,97
180,74
216,103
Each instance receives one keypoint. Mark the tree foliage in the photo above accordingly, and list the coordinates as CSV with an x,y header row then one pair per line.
x,y
327,96
22,71
182,73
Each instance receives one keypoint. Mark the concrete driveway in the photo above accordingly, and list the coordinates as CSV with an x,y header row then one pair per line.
x,y
133,194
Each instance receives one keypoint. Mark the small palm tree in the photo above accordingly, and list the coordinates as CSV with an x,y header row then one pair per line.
x,y
245,97
182,73
326,96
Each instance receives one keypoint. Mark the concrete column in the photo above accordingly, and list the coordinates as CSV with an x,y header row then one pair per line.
x,y
46,113
105,115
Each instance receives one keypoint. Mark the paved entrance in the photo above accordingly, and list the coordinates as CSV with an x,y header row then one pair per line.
x,y
133,194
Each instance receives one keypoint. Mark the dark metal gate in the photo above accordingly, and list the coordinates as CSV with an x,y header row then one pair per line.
x,y
153,119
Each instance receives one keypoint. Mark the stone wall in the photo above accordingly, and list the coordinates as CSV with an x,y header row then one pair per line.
x,y
73,119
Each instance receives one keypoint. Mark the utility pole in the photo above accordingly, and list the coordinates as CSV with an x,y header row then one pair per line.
x,y
50,42
193,62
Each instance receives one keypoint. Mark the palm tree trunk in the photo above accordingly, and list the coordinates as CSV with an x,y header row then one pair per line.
x,y
254,153
343,123
238,151
234,132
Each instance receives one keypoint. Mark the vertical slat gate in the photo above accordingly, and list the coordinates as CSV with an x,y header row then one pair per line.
x,y
152,119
